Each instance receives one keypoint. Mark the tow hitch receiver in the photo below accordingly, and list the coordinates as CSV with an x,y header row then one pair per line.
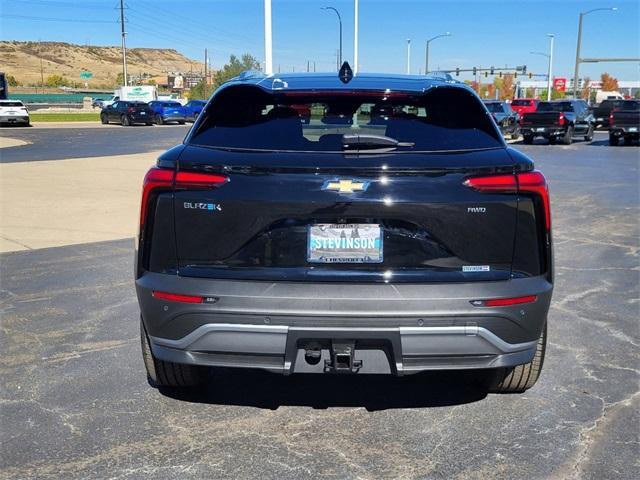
x,y
342,360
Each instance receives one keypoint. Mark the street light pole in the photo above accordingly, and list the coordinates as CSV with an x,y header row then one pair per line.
x,y
426,55
550,68
355,37
268,39
575,72
340,21
408,56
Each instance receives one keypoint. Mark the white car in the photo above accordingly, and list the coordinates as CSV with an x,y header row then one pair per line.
x,y
13,112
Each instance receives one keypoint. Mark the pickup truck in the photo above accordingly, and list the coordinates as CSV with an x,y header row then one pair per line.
x,y
602,112
624,122
563,119
524,105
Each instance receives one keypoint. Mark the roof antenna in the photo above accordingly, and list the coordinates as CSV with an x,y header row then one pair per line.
x,y
345,74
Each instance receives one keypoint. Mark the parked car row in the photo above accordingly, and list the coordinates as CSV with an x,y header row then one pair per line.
x,y
159,112
566,120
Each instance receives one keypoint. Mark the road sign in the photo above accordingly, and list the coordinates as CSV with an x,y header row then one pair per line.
x,y
86,74
559,84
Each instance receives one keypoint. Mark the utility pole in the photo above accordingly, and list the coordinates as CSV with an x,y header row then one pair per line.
x,y
355,39
578,59
268,40
550,68
308,65
206,73
408,56
124,43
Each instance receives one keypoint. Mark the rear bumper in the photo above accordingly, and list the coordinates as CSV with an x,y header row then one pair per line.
x,y
397,329
543,131
174,118
625,131
14,119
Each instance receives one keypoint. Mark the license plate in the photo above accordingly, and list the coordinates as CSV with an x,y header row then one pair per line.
x,y
345,243
633,129
599,119
539,129
143,113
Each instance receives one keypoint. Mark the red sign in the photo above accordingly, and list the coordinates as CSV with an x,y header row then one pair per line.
x,y
559,84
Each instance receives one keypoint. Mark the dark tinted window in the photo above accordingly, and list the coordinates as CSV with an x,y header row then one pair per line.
x,y
630,106
171,104
443,119
495,107
11,104
521,103
555,107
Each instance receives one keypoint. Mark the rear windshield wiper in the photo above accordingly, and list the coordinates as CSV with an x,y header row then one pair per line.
x,y
371,142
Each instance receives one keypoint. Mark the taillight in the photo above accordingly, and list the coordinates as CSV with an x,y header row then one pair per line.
x,y
561,119
504,302
199,180
155,179
166,179
176,297
528,182
131,110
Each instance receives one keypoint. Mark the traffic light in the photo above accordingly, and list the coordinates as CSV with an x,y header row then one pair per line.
x,y
486,74
530,74
515,74
492,70
457,72
475,70
500,74
524,69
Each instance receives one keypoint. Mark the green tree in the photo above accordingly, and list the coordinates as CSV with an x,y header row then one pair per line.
x,y
56,81
11,80
235,67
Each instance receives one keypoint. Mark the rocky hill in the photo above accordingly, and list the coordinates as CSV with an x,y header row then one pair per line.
x,y
22,60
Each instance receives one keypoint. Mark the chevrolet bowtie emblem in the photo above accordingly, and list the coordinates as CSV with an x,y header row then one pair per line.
x,y
345,186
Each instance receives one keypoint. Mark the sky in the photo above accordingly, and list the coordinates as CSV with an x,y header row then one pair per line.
x,y
483,33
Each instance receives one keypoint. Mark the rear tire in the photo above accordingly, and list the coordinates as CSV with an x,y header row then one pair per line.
x,y
613,140
516,134
181,122
568,136
527,139
124,121
104,119
552,140
159,120
522,377
148,124
167,374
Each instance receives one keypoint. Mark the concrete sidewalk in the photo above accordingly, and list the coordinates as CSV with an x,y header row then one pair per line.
x,y
64,202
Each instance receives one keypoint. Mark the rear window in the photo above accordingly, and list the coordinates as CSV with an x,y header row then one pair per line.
x,y
171,105
495,107
630,106
442,119
555,107
521,103
11,104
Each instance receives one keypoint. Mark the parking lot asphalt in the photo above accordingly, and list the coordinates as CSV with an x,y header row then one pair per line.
x,y
76,404
57,142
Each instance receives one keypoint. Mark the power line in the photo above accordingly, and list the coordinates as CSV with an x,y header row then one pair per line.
x,y
52,19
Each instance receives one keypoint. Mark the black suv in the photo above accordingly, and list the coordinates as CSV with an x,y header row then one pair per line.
x,y
127,113
395,232
559,120
507,120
